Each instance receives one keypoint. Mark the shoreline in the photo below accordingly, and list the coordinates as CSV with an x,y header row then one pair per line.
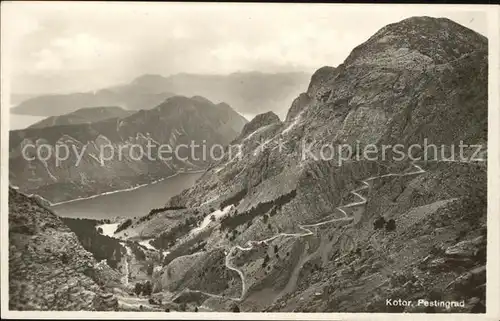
x,y
118,191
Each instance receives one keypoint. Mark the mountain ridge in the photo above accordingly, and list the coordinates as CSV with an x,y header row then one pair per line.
x,y
247,92
84,115
177,121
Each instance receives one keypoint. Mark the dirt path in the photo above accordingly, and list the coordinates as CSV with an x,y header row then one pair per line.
x,y
307,229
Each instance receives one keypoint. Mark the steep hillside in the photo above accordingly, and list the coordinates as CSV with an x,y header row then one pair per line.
x,y
248,93
120,153
84,115
309,232
48,268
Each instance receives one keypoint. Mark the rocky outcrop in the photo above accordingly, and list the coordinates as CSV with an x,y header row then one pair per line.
x,y
260,121
48,268
106,302
119,153
467,248
318,81
297,106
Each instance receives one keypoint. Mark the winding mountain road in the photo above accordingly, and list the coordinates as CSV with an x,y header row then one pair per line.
x,y
306,228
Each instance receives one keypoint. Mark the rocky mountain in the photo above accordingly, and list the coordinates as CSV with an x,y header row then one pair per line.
x,y
63,264
84,115
48,268
119,153
301,231
248,93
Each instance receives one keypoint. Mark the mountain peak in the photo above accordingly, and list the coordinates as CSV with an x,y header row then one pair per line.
x,y
259,121
319,77
201,99
439,40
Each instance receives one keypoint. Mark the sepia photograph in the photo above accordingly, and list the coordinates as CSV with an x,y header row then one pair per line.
x,y
197,160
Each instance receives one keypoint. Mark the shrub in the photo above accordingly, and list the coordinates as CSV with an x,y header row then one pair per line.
x,y
64,258
379,223
150,269
138,288
147,288
266,260
390,225
236,308
123,226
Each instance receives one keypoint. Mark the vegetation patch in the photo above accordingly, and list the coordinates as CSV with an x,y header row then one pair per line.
x,y
232,222
167,239
233,200
101,246
160,210
124,225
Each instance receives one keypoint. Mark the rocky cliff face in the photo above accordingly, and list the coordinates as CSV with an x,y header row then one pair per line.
x,y
260,121
119,153
419,80
48,268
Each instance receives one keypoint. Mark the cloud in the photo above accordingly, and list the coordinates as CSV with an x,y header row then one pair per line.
x,y
90,45
47,60
81,51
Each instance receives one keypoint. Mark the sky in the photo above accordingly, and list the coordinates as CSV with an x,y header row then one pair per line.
x,y
70,47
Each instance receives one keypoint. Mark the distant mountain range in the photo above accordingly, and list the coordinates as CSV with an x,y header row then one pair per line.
x,y
178,120
84,115
249,93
